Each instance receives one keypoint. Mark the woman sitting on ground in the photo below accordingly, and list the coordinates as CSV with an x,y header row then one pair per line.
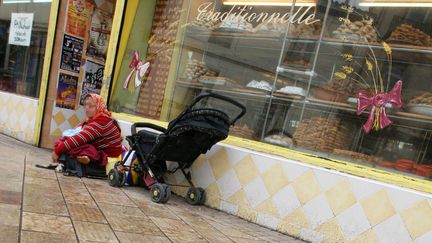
x,y
98,139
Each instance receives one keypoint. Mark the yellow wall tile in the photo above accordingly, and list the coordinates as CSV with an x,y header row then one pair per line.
x,y
199,161
213,196
293,223
340,197
74,120
275,179
306,187
378,207
331,231
267,207
367,237
59,118
246,170
239,198
418,219
247,213
220,163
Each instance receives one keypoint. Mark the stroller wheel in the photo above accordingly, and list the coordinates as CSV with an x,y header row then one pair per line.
x,y
159,193
113,177
167,193
122,180
203,196
194,196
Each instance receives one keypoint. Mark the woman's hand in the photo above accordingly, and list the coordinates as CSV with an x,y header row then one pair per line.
x,y
54,157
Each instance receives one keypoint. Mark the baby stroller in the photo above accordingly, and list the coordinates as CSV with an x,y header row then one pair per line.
x,y
192,133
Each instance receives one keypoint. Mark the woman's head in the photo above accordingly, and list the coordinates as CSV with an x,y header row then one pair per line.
x,y
94,106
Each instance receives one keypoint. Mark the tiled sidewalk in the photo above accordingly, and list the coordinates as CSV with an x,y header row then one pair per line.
x,y
38,205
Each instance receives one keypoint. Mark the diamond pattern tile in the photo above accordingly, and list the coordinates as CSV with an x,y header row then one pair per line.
x,y
256,192
318,211
73,120
246,170
378,207
306,187
228,184
268,208
220,163
392,230
368,236
274,178
263,163
353,222
286,201
331,231
340,197
294,222
418,219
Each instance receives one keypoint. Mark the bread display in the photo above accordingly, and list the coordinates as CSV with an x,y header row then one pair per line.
x,y
205,24
337,90
196,69
322,134
292,90
356,156
357,30
264,85
235,24
242,131
410,35
303,30
424,99
271,27
280,140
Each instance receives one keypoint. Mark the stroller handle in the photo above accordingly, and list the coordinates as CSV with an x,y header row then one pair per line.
x,y
224,98
145,125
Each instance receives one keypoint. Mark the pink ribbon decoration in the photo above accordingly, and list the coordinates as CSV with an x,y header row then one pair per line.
x,y
139,68
378,118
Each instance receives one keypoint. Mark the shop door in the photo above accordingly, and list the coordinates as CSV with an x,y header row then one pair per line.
x,y
78,64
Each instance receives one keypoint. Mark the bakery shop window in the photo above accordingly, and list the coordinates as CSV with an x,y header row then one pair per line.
x,y
345,80
23,32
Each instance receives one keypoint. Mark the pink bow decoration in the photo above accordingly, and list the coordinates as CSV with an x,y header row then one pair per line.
x,y
378,118
139,68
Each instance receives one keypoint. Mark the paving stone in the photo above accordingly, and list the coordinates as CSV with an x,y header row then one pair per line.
x,y
10,197
9,214
85,212
9,234
40,237
133,237
47,224
87,231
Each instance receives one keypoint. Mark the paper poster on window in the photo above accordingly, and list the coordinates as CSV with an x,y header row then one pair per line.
x,y
66,91
71,54
79,12
92,82
20,29
100,31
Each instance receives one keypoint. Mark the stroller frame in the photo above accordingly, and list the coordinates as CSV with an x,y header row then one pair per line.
x,y
151,162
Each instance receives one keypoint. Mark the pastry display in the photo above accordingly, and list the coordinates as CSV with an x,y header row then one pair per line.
x,y
205,24
303,30
301,63
406,33
421,104
195,69
242,131
337,90
264,85
235,24
292,90
356,155
357,30
322,134
424,99
280,140
271,27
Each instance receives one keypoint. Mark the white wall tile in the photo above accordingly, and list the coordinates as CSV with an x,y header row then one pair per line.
x,y
228,184
293,171
362,188
403,199
263,163
267,220
318,211
327,179
286,201
426,238
229,207
235,155
311,236
203,175
353,221
256,192
392,230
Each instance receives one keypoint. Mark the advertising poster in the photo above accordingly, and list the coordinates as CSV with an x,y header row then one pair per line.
x,y
20,29
100,31
71,54
92,82
66,91
79,11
